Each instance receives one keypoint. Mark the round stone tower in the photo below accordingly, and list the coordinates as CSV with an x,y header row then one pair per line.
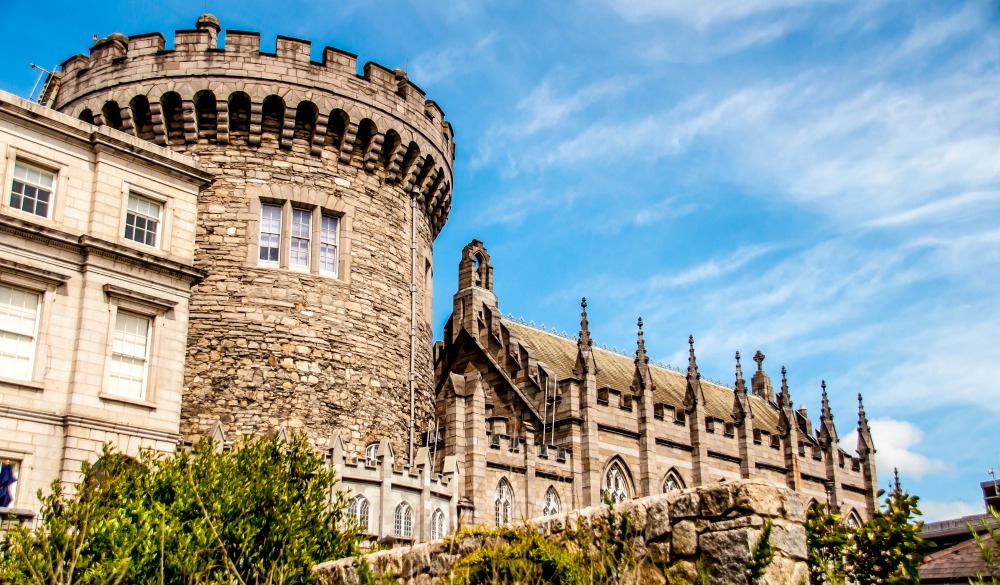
x,y
316,234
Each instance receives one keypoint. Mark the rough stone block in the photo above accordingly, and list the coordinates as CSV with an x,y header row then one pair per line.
x,y
685,538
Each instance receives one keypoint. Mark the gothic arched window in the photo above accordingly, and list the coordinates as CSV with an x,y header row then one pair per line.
x,y
551,502
673,482
360,510
437,525
504,502
852,520
615,483
404,520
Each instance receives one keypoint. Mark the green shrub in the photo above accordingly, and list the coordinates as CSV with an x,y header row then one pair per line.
x,y
259,514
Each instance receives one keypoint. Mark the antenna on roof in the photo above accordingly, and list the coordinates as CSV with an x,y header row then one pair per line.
x,y
41,71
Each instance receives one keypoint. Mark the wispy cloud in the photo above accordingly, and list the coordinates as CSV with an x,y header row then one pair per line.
x,y
897,443
431,67
713,268
701,14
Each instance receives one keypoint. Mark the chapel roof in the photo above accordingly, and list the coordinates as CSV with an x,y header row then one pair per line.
x,y
615,371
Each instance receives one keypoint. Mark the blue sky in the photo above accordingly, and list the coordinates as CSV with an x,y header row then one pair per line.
x,y
816,179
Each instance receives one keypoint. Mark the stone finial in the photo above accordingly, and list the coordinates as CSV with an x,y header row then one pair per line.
x,y
862,419
784,399
692,361
209,23
584,325
741,406
759,358
828,432
640,352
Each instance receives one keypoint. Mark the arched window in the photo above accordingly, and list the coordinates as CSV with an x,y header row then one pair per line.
x,y
360,510
615,483
504,502
206,112
142,118
239,117
437,525
852,520
371,454
112,115
404,520
673,482
551,504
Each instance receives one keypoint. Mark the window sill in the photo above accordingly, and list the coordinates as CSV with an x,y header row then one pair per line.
x,y
31,385
19,514
126,400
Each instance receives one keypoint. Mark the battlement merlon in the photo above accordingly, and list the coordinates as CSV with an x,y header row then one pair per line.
x,y
118,60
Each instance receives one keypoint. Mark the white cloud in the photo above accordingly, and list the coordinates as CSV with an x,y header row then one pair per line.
x,y
895,445
713,268
433,66
936,510
700,13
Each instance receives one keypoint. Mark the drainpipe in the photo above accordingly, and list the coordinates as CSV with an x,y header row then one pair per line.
x,y
413,318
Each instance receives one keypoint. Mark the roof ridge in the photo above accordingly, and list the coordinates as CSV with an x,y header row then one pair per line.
x,y
602,347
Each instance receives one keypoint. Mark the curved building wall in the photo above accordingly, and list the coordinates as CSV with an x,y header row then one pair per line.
x,y
285,332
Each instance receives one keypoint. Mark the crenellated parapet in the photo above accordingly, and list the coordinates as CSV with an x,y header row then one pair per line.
x,y
198,93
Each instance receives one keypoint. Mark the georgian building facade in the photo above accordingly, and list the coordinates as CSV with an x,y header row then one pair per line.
x,y
96,268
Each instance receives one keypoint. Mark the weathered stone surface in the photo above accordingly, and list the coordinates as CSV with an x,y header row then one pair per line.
x,y
657,519
685,538
688,505
790,538
716,500
682,573
725,554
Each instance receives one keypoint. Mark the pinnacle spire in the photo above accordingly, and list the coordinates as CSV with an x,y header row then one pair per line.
x,y
640,352
692,362
785,399
584,325
895,475
741,385
862,419
825,412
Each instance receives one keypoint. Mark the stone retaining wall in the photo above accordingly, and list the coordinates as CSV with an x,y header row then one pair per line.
x,y
716,526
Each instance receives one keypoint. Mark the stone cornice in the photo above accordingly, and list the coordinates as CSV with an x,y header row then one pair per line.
x,y
89,245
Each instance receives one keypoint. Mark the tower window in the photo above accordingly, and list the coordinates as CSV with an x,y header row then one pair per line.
x,y
360,510
299,237
437,525
504,502
142,221
31,190
301,234
270,232
328,237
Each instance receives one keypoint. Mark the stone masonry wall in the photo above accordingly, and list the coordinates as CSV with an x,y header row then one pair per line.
x,y
715,525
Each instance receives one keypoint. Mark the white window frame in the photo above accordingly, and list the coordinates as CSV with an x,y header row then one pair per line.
x,y
295,236
41,169
160,219
371,454
335,244
403,520
141,305
318,241
360,509
43,283
18,462
39,305
438,525
119,355
260,232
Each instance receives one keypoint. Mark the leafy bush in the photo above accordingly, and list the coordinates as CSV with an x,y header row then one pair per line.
x,y
989,549
887,549
260,514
